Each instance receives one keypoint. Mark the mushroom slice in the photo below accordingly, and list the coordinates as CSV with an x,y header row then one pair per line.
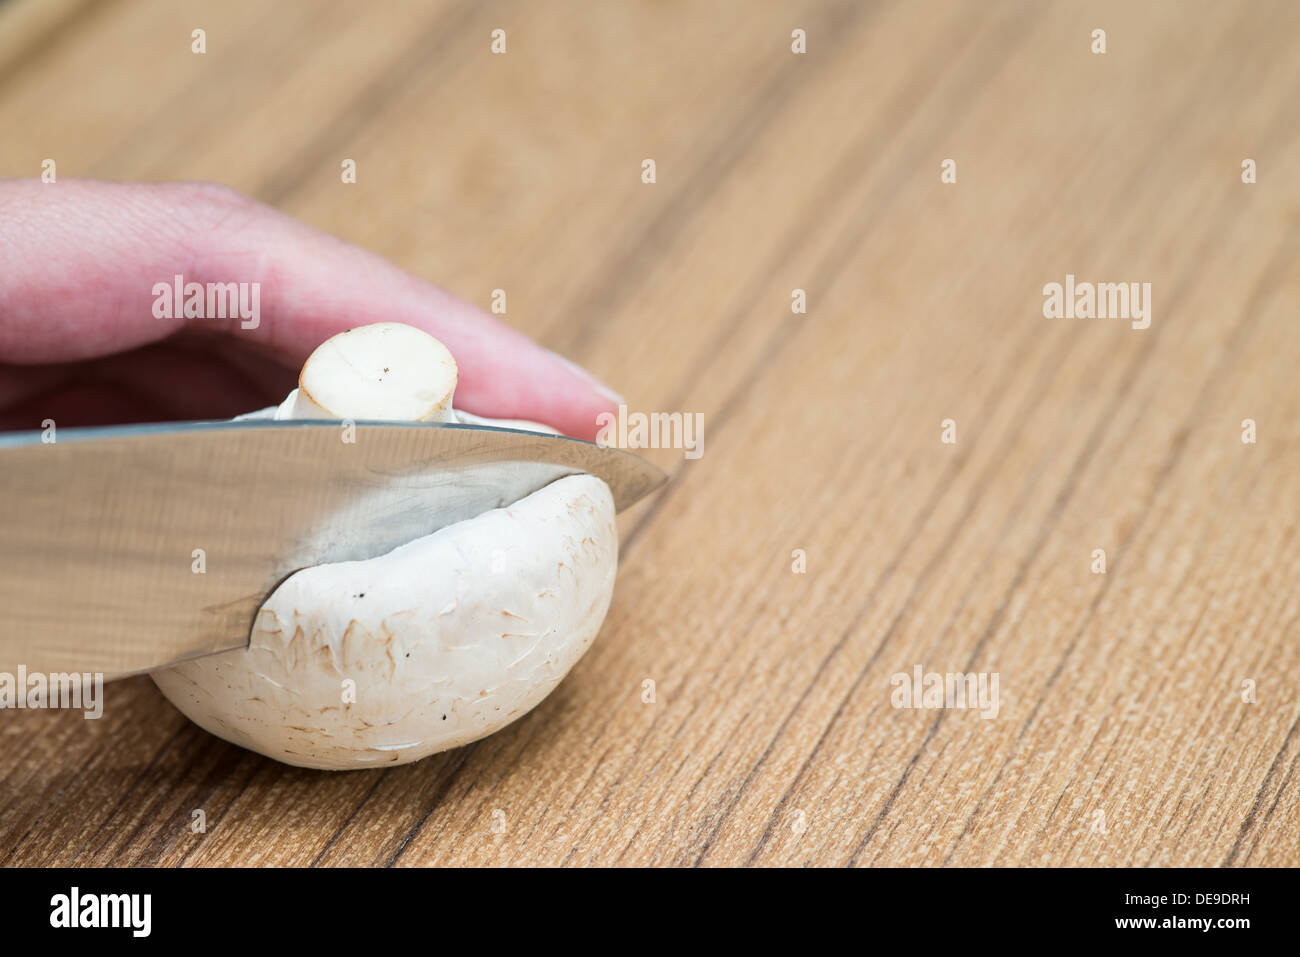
x,y
435,644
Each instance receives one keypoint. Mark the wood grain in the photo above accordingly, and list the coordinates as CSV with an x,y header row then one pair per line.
x,y
1122,736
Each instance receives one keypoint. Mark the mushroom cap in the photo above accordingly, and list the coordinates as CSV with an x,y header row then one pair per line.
x,y
435,644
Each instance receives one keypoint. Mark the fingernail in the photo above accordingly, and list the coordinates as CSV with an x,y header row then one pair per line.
x,y
601,389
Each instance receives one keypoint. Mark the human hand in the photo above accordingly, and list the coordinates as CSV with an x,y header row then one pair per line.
x,y
80,342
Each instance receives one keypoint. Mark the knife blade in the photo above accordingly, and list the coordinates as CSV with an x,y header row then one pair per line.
x,y
128,548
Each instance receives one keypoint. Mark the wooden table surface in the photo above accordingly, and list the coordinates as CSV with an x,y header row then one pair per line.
x,y
1147,714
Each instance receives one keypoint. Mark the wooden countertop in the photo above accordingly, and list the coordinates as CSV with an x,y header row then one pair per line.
x,y
1122,734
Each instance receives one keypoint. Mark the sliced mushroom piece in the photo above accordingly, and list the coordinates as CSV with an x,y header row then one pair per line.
x,y
437,643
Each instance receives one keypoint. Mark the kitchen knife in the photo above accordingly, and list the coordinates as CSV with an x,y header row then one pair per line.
x,y
128,548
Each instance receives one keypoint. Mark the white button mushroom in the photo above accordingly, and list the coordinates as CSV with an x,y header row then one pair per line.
x,y
435,644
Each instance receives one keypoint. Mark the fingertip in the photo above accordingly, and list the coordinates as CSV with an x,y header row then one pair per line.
x,y
585,399
591,415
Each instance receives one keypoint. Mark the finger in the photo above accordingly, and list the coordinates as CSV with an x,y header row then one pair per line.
x,y
82,260
162,382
